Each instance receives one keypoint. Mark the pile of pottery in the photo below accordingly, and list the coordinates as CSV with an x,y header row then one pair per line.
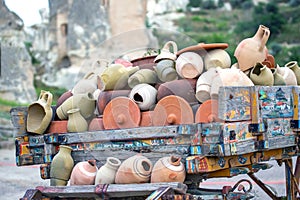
x,y
135,169
173,87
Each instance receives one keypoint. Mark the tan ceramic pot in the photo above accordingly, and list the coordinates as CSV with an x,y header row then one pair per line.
x,y
135,169
84,173
261,75
217,58
293,65
168,169
278,78
107,173
85,102
189,65
61,166
253,50
166,52
76,122
142,76
88,84
165,70
40,113
287,74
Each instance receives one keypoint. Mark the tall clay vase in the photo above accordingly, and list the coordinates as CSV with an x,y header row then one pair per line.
x,y
76,122
115,77
261,75
253,50
142,76
85,102
61,166
287,74
106,96
168,169
40,113
84,173
184,88
107,173
293,65
135,169
144,95
87,84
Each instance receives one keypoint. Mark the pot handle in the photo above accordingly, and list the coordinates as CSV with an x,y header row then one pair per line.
x,y
169,44
88,75
264,39
47,97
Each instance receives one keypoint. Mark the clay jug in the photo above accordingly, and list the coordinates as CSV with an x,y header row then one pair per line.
x,y
278,79
135,169
189,65
168,169
107,173
85,102
115,77
61,166
88,84
293,65
40,113
84,173
144,95
165,70
253,50
106,96
76,122
166,52
203,85
142,76
287,74
63,97
217,58
229,77
184,88
261,75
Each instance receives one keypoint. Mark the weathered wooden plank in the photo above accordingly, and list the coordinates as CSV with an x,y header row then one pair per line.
x,y
109,190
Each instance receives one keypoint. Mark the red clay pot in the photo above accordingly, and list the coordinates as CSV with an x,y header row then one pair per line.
x,y
106,96
172,110
121,112
145,62
59,126
146,118
207,112
96,124
63,97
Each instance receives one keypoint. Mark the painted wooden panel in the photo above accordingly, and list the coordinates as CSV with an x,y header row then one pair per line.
x,y
18,118
275,101
202,164
234,103
236,131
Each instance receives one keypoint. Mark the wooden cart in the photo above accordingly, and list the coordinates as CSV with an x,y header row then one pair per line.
x,y
254,129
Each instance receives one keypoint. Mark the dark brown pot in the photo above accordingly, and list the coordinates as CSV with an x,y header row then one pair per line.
x,y
106,96
144,62
184,88
63,97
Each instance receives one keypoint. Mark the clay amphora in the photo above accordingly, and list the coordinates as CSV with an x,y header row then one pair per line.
x,y
217,58
168,169
84,173
96,124
142,76
293,65
63,97
253,50
115,77
189,65
184,88
85,102
165,70
106,96
144,95
88,84
61,166
107,173
203,85
287,74
135,169
278,78
76,122
261,75
166,52
229,77
40,113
